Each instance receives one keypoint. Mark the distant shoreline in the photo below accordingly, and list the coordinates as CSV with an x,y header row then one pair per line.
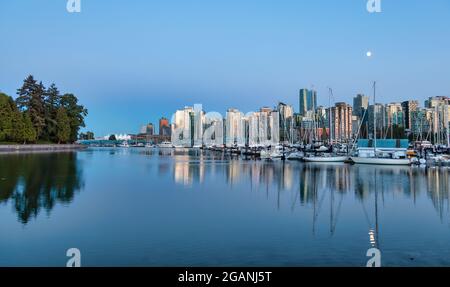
x,y
8,148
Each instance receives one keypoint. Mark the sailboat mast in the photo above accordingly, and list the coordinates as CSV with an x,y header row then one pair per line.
x,y
374,119
329,116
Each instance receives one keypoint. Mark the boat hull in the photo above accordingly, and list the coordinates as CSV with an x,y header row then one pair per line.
x,y
380,161
326,159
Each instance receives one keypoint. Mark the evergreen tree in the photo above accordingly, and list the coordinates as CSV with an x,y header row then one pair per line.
x,y
6,127
31,99
28,134
63,126
51,104
76,114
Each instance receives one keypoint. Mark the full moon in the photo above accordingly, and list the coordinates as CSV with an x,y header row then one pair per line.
x,y
369,54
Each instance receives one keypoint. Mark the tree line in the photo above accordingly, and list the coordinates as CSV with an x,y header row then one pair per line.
x,y
40,114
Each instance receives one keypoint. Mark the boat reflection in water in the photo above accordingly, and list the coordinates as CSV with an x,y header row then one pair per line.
x,y
177,207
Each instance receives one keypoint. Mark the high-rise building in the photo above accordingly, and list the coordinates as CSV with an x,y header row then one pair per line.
x,y
433,102
378,111
286,113
182,134
341,122
234,128
360,105
147,129
439,107
199,119
213,134
394,115
408,108
307,101
264,128
164,127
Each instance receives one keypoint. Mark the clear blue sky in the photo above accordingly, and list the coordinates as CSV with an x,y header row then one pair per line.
x,y
131,62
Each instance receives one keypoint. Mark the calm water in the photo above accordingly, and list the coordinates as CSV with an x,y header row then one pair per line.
x,y
131,207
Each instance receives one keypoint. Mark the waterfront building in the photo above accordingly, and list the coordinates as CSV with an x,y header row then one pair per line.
x,y
198,124
439,108
377,110
321,116
307,101
409,107
263,128
421,124
360,105
286,113
213,134
147,129
356,123
182,134
433,102
119,137
341,122
394,121
164,127
234,128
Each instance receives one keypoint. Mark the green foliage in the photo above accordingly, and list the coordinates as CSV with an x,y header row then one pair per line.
x,y
112,138
76,114
29,134
87,136
63,125
5,117
40,115
31,99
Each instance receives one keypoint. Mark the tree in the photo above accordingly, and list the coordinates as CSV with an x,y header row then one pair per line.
x,y
28,133
87,136
63,126
51,104
90,135
112,138
6,127
31,99
76,114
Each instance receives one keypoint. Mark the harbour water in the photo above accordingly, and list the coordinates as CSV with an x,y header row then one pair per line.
x,y
150,207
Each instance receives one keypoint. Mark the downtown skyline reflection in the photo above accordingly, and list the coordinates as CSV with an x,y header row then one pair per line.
x,y
171,207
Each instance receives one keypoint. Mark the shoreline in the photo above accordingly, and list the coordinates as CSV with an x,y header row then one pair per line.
x,y
40,147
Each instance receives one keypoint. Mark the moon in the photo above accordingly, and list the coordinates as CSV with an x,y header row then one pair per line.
x,y
369,54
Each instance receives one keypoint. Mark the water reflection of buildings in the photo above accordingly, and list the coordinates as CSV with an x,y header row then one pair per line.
x,y
312,184
32,182
438,189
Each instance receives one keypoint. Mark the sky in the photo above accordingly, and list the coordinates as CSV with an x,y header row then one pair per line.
x,y
132,62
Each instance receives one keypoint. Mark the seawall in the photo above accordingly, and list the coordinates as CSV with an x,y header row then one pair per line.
x,y
40,147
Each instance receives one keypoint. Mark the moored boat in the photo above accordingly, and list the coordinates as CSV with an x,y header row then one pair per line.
x,y
165,145
326,158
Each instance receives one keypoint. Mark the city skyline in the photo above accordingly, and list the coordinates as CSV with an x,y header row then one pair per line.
x,y
160,56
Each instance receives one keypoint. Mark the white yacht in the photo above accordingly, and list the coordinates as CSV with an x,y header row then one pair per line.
x,y
380,161
325,158
124,144
165,145
376,156
296,155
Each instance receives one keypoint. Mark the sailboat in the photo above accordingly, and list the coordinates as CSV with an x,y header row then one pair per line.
x,y
377,157
327,157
